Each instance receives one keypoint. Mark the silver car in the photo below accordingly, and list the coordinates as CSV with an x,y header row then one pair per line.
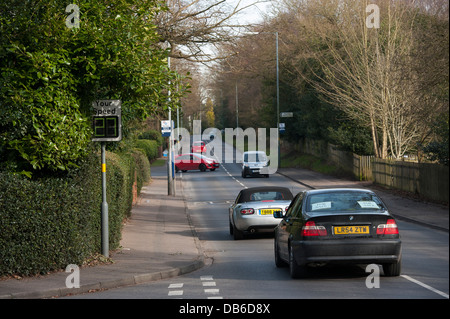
x,y
255,163
254,207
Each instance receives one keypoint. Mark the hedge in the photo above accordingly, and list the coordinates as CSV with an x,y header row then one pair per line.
x,y
152,135
150,148
49,222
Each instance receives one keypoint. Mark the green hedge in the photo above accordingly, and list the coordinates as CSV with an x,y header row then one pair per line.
x,y
150,148
48,223
152,135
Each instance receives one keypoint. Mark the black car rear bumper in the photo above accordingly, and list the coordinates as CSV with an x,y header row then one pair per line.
x,y
358,251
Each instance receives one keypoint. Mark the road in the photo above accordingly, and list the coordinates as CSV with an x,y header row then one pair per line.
x,y
245,269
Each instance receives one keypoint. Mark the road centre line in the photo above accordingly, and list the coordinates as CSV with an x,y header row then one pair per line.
x,y
229,174
443,294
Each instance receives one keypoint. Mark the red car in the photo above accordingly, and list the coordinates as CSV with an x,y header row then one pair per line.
x,y
185,162
198,147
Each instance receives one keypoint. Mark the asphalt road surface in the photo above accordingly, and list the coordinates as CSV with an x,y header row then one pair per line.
x,y
245,269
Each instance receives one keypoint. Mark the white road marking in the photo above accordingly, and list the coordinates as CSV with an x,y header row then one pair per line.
x,y
208,281
176,293
204,278
443,294
209,284
172,286
212,291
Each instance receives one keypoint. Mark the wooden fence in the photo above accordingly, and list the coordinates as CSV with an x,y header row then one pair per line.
x,y
427,179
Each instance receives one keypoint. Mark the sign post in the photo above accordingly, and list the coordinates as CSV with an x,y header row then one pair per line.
x,y
166,131
105,218
107,126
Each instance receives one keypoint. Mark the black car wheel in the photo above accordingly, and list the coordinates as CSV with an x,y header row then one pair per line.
x,y
202,167
237,234
278,261
295,270
394,269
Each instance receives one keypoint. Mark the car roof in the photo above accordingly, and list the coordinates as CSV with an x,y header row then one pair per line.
x,y
246,193
337,190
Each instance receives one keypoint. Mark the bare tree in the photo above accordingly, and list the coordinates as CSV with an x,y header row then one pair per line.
x,y
362,69
192,27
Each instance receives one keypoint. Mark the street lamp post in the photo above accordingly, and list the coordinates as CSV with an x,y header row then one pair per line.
x,y
278,85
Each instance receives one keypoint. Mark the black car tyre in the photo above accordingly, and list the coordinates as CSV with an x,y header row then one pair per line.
x,y
392,270
237,234
202,167
278,261
295,270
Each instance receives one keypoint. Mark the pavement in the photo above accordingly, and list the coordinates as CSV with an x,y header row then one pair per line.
x,y
159,240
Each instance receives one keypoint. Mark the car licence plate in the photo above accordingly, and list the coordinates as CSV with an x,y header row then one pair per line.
x,y
350,230
267,211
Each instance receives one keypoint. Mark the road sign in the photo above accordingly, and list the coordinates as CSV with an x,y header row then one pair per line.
x,y
282,128
287,114
107,120
166,128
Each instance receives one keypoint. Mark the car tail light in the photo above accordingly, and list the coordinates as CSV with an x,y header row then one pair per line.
x,y
390,228
310,229
247,211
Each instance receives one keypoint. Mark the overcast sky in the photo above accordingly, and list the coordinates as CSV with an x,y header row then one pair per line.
x,y
254,13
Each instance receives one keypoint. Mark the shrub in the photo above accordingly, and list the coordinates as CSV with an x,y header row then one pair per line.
x,y
142,168
49,222
152,135
150,148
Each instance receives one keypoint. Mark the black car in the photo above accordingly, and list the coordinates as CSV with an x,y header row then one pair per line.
x,y
337,226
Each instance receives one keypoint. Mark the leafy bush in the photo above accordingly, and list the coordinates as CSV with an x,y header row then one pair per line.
x,y
150,148
49,222
142,168
152,135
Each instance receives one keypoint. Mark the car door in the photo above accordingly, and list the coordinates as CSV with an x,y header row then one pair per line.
x,y
289,221
195,161
182,162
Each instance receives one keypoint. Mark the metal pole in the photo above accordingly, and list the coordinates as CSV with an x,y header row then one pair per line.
x,y
237,106
105,226
278,98
169,167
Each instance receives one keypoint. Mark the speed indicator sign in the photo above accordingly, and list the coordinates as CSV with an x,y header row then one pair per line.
x,y
107,120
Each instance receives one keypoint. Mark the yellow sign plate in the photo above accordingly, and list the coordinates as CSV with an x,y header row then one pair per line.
x,y
351,230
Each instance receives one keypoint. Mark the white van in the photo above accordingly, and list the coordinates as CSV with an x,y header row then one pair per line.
x,y
255,163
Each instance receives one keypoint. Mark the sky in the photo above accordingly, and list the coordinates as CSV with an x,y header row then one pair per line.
x,y
254,13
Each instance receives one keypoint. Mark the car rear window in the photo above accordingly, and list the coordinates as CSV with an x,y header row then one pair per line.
x,y
261,196
343,201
